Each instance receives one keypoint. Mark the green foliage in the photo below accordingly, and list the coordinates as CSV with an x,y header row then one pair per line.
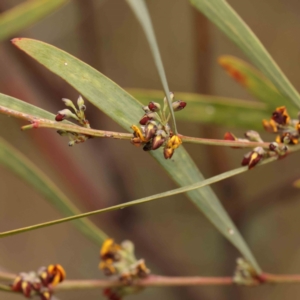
x,y
26,14
222,15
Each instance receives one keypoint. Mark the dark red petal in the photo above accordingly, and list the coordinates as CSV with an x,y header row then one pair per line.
x,y
59,117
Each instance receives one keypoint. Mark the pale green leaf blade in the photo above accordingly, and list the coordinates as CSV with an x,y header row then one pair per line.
x,y
255,83
141,12
26,14
222,15
17,163
212,109
125,110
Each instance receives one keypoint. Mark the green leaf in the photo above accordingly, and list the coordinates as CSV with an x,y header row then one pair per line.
x,y
26,14
189,188
213,110
125,110
255,83
17,163
222,15
141,12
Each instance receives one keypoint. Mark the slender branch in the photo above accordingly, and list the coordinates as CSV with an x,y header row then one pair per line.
x,y
164,281
146,199
37,122
7,276
214,142
272,278
5,288
152,280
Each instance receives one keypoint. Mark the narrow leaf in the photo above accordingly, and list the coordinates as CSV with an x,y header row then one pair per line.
x,y
141,12
255,83
213,110
26,14
222,15
139,201
125,110
17,163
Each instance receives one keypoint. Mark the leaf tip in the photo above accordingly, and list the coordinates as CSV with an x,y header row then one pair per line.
x,y
15,40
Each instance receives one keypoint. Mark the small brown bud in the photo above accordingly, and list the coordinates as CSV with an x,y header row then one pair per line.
x,y
159,139
59,117
148,146
26,289
17,284
168,153
153,106
281,116
178,105
136,141
145,119
253,158
270,126
150,130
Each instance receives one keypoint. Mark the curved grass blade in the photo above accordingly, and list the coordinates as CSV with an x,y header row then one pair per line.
x,y
141,12
17,163
26,14
222,15
213,110
177,191
125,110
255,83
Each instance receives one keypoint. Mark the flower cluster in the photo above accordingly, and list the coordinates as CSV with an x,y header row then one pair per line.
x,y
288,129
40,282
119,262
245,274
78,115
155,131
252,158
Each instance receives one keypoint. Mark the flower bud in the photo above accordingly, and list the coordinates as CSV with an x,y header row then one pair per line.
x,y
26,289
65,113
168,153
178,105
145,119
253,158
153,106
281,116
146,109
69,103
270,126
253,136
150,130
45,294
80,104
174,142
136,141
159,139
148,146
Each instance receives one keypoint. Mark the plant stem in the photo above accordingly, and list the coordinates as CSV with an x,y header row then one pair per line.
x,y
152,280
7,276
214,142
45,123
163,281
273,278
184,189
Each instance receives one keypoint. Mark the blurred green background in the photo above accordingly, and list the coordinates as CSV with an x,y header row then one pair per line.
x,y
173,236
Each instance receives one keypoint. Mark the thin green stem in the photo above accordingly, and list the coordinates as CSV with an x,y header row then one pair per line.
x,y
145,199
5,288
214,142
